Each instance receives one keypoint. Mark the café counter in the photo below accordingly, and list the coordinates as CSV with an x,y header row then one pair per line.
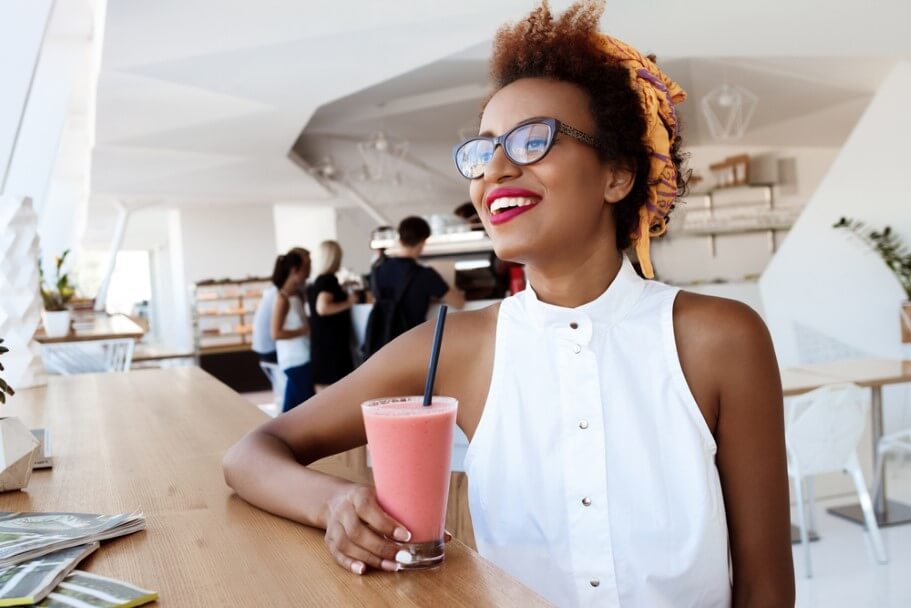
x,y
153,440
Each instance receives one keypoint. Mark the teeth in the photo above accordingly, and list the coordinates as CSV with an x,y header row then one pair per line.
x,y
507,202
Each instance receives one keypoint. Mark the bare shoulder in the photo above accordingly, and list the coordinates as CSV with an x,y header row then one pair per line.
x,y
724,348
466,362
716,323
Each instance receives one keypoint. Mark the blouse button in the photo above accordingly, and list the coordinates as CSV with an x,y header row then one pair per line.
x,y
594,582
577,349
586,501
574,325
583,424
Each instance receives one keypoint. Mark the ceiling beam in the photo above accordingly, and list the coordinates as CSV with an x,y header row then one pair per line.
x,y
413,103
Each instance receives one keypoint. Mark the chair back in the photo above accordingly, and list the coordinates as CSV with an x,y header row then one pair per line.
x,y
118,354
824,426
277,378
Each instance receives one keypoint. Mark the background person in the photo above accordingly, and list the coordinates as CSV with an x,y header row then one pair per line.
x,y
290,328
330,320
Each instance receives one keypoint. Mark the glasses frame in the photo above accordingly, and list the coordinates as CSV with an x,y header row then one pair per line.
x,y
556,127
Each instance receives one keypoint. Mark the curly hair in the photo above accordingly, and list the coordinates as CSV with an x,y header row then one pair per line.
x,y
565,49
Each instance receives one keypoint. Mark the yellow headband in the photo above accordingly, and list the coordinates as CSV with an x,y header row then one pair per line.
x,y
657,94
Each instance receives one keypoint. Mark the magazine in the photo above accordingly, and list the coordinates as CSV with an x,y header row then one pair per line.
x,y
84,590
30,582
26,536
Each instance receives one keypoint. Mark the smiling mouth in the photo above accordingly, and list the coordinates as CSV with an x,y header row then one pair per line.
x,y
508,203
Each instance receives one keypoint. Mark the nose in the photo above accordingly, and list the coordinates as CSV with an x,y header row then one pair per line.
x,y
500,168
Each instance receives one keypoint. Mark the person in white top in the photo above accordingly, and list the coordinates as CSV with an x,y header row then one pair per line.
x,y
290,328
262,343
626,438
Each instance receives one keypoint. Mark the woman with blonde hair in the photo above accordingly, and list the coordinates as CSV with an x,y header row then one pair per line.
x,y
330,320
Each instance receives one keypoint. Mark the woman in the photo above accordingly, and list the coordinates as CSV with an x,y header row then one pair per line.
x,y
626,439
289,326
330,320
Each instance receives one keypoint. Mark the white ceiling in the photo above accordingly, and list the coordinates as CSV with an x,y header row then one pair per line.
x,y
201,100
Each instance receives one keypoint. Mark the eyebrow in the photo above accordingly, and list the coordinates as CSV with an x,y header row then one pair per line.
x,y
489,133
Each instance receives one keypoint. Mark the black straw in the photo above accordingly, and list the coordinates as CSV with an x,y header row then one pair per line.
x,y
435,355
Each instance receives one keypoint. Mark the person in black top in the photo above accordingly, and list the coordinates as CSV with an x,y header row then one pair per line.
x,y
425,284
330,321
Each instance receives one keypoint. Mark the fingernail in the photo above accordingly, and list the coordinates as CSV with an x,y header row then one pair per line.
x,y
401,534
358,568
390,566
447,536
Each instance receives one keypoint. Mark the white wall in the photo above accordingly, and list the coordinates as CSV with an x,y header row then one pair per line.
x,y
227,241
303,225
827,297
65,55
22,27
823,279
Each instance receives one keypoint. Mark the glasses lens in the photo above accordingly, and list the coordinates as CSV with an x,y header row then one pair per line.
x,y
473,157
529,142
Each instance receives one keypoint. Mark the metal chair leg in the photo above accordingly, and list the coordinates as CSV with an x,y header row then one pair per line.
x,y
866,505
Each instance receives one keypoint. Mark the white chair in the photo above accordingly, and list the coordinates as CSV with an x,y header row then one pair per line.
x,y
893,442
277,379
88,357
822,430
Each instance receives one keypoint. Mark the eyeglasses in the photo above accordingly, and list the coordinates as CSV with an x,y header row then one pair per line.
x,y
524,144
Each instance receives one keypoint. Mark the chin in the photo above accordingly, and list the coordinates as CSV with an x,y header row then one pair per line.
x,y
514,248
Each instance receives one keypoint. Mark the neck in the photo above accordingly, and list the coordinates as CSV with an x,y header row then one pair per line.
x,y
573,283
408,252
289,288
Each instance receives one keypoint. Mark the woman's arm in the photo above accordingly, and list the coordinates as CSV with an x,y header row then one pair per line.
x,y
326,306
268,466
730,364
279,313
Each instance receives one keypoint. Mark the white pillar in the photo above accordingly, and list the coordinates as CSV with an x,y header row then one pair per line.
x,y
123,216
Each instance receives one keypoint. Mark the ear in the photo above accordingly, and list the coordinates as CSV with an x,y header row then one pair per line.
x,y
619,180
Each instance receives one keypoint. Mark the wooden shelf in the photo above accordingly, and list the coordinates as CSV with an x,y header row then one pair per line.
x,y
226,313
225,348
227,334
243,296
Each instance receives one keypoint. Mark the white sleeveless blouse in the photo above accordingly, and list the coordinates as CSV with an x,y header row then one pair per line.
x,y
293,352
592,474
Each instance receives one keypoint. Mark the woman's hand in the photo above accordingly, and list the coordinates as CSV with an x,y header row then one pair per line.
x,y
357,530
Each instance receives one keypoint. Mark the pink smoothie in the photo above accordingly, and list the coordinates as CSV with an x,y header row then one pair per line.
x,y
411,448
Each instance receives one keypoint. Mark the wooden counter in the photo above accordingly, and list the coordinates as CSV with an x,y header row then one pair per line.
x,y
103,327
153,440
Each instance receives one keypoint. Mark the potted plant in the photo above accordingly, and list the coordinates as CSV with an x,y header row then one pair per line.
x,y
5,389
18,447
895,255
56,313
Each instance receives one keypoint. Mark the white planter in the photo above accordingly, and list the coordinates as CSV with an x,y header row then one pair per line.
x,y
56,323
18,452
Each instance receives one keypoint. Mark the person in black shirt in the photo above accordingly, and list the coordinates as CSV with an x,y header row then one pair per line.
x,y
425,283
330,321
